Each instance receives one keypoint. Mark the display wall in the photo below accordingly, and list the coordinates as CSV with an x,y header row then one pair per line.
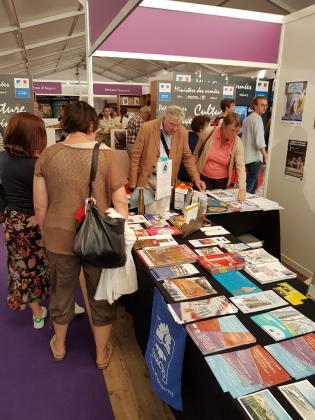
x,y
291,171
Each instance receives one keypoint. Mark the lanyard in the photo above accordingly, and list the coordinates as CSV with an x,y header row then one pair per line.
x,y
167,150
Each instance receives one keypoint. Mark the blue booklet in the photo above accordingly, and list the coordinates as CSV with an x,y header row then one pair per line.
x,y
236,283
297,356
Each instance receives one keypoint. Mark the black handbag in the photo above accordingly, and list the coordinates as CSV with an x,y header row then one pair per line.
x,y
100,239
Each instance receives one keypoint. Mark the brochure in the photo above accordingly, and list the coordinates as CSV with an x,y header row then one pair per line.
x,y
290,294
236,283
214,250
136,218
215,206
243,371
174,271
297,355
166,255
215,240
284,323
268,273
166,230
135,226
199,309
260,301
235,247
219,334
188,288
263,405
153,241
214,230
177,220
301,395
221,263
155,220
257,256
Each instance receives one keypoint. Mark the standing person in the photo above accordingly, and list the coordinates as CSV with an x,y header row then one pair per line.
x,y
254,142
24,139
227,106
121,121
60,188
161,139
217,151
134,125
105,124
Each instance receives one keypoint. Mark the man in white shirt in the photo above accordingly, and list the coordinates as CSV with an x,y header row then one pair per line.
x,y
254,142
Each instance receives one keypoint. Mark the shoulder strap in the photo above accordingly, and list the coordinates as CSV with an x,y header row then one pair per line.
x,y
206,140
167,150
94,163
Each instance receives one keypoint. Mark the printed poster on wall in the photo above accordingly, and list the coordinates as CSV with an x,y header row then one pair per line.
x,y
295,160
15,96
294,102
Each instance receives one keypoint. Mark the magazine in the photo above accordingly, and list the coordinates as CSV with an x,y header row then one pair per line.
x,y
174,271
301,395
297,355
250,240
215,206
244,371
208,251
284,323
220,194
153,241
236,283
268,273
136,218
263,405
140,233
260,301
219,334
214,230
215,240
263,203
235,247
135,226
166,255
199,309
166,230
221,263
177,220
188,288
257,256
155,220
290,294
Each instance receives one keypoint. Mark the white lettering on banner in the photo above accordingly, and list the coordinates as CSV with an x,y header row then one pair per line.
x,y
211,110
5,109
4,84
3,123
246,86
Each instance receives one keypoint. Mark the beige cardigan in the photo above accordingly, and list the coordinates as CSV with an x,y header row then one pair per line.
x,y
202,151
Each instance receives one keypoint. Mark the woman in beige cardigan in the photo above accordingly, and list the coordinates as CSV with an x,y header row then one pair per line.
x,y
216,153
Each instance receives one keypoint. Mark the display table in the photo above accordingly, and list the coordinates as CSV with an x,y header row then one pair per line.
x,y
202,395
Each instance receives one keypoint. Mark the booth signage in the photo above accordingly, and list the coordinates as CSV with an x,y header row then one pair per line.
x,y
116,89
47,88
15,96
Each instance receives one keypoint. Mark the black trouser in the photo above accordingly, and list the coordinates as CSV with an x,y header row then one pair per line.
x,y
214,184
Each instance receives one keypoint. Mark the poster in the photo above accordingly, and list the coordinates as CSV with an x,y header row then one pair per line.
x,y
295,160
118,139
294,102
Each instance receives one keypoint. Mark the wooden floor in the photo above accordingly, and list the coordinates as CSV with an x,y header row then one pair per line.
x,y
126,377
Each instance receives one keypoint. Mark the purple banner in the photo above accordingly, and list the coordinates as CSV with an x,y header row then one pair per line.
x,y
47,88
116,89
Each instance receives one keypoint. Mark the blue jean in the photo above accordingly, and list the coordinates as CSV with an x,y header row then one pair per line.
x,y
252,170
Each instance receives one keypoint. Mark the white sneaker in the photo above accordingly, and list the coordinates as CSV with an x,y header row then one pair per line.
x,y
39,321
78,310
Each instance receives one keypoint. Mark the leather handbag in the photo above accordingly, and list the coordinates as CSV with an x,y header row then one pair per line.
x,y
100,239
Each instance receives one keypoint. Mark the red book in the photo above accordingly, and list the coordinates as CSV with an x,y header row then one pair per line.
x,y
167,230
221,263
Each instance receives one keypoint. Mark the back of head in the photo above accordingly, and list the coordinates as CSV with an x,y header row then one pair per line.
x,y
174,112
145,111
25,135
79,116
199,122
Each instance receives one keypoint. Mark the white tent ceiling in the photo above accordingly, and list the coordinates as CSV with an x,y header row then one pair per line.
x,y
43,38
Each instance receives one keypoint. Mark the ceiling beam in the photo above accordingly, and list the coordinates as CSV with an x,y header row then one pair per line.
x,y
20,35
54,41
43,72
52,62
82,48
283,5
115,63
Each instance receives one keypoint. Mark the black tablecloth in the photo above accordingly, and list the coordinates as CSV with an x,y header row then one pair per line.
x,y
202,395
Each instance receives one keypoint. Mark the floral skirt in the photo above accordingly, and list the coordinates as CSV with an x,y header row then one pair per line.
x,y
27,261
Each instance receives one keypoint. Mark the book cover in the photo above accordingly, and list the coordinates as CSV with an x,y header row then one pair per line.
x,y
199,309
235,247
257,256
236,283
267,273
140,233
284,323
177,220
215,240
263,405
214,230
297,355
290,294
245,371
166,230
154,241
260,301
301,395
167,255
136,218
219,334
221,263
188,288
213,250
174,271
135,226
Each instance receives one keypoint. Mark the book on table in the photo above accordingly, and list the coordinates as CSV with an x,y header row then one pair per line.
x,y
257,256
167,255
236,283
235,247
290,294
260,301
270,272
212,250
154,241
227,261
215,240
301,395
297,355
166,230
284,323
155,220
188,288
219,334
194,310
174,271
136,218
244,371
214,230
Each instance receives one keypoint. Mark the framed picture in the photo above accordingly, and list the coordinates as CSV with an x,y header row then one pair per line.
x,y
124,100
118,139
136,101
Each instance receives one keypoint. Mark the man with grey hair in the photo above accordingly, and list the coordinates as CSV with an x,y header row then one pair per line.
x,y
162,139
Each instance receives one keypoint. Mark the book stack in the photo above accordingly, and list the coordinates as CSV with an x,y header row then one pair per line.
x,y
221,263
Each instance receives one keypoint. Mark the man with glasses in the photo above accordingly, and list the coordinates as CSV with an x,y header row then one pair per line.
x,y
254,142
